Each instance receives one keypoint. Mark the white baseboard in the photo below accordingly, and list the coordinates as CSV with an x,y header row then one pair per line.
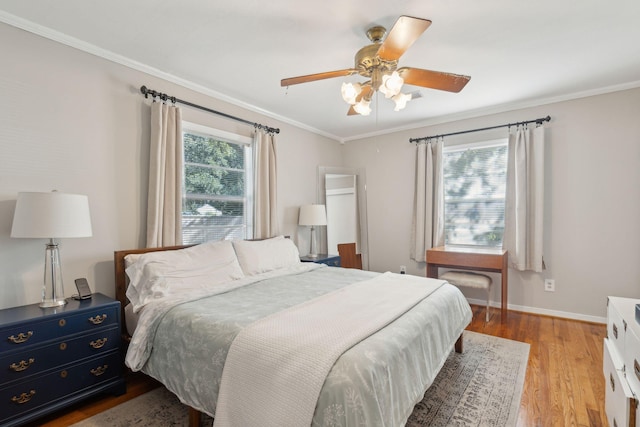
x,y
543,311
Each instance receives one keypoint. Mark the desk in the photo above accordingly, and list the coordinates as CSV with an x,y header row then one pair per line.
x,y
479,259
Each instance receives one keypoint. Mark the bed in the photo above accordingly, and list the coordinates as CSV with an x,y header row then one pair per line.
x,y
207,321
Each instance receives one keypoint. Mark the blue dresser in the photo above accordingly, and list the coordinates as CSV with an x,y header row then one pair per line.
x,y
53,357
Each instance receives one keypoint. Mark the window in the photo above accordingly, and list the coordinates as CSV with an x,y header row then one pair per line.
x,y
217,198
474,191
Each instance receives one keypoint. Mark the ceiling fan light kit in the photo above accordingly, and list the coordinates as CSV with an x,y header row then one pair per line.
x,y
350,92
401,100
362,107
379,63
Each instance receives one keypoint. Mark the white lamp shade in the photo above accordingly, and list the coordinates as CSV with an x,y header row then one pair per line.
x,y
312,215
51,215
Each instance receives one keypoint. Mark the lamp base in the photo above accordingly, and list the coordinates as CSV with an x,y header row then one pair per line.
x,y
52,287
53,303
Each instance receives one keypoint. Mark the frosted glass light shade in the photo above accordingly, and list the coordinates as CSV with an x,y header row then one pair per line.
x,y
362,107
391,84
350,92
312,215
401,100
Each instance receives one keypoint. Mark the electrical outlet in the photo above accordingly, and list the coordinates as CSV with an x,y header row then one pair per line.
x,y
550,285
403,269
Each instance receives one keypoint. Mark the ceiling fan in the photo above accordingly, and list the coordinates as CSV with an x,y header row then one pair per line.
x,y
379,63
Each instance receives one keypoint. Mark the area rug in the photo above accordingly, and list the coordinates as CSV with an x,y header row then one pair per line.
x,y
480,387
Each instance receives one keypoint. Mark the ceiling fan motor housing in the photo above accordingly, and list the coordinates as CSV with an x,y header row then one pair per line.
x,y
370,65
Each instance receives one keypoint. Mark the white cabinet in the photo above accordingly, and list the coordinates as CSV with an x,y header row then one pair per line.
x,y
621,363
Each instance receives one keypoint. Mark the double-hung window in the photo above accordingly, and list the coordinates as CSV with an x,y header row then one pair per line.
x,y
474,193
218,185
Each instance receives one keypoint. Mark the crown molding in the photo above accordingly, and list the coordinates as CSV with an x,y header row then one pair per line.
x,y
73,42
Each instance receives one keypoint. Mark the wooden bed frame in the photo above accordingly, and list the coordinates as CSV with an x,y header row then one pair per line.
x,y
122,282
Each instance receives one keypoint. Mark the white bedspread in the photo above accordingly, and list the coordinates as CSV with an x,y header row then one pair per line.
x,y
277,366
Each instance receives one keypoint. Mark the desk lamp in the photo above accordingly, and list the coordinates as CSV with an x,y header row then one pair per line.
x,y
51,215
312,215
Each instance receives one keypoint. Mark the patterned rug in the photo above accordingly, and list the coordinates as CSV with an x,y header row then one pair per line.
x,y
480,387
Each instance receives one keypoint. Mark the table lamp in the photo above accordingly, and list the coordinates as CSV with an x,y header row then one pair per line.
x,y
51,216
312,215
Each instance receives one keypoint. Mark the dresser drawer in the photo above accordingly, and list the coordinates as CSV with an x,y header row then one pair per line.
x,y
14,337
18,365
620,404
632,361
615,328
30,395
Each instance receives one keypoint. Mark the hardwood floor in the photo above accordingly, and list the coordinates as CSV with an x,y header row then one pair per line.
x,y
564,385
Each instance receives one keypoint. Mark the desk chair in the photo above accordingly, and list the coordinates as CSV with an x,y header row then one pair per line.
x,y
348,256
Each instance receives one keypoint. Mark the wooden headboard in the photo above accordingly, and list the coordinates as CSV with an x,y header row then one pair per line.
x,y
122,281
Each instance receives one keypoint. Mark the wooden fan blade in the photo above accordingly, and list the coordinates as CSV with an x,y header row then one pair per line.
x,y
366,93
405,31
320,76
433,79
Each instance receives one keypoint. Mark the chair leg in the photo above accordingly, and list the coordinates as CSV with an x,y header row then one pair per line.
x,y
488,294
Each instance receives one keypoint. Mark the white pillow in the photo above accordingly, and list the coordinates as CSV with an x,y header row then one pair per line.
x,y
260,256
165,273
130,260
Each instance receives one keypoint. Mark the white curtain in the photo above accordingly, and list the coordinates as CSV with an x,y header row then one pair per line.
x,y
265,222
164,211
524,199
428,202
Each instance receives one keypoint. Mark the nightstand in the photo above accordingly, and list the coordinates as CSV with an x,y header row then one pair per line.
x,y
330,260
53,357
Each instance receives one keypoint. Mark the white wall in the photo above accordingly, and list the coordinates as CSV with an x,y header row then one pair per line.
x,y
77,123
592,203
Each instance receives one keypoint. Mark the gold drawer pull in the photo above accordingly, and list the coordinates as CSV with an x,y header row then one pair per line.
x,y
22,365
98,343
636,368
98,319
23,398
99,370
613,382
22,337
615,330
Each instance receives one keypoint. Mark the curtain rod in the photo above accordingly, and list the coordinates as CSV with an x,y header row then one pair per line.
x,y
163,96
537,121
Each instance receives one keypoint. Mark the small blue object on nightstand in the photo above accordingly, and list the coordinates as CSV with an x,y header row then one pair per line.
x,y
638,313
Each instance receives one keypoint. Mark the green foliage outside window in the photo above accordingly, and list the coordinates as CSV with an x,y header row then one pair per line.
x,y
474,185
214,175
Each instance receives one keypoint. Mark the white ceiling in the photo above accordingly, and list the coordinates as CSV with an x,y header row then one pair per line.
x,y
517,53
